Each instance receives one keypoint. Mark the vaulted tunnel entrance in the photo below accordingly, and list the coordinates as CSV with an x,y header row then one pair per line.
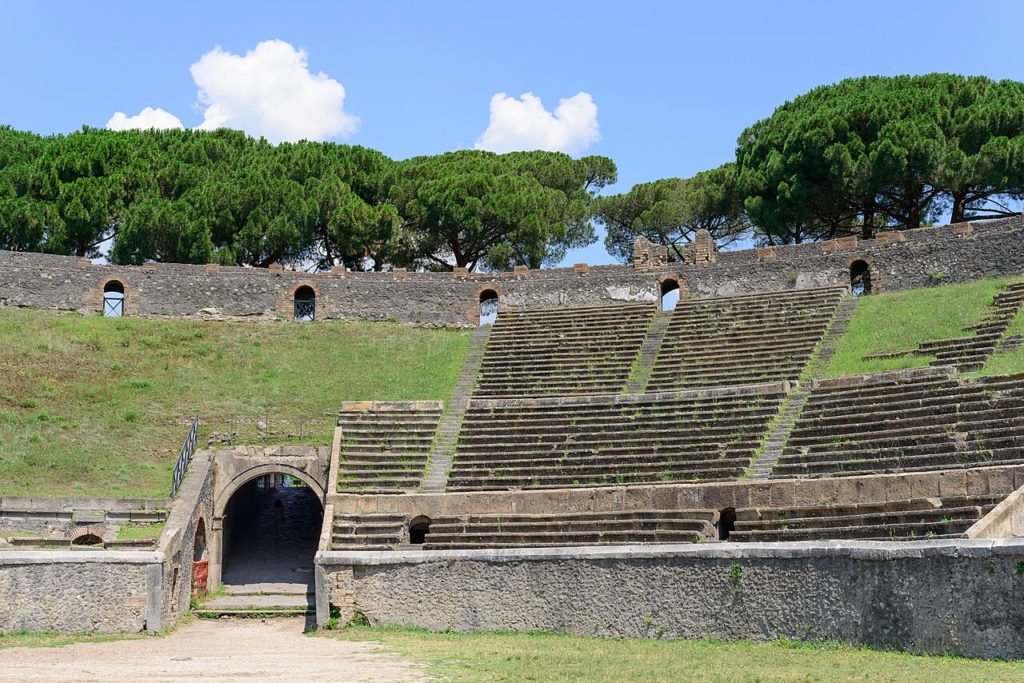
x,y
271,530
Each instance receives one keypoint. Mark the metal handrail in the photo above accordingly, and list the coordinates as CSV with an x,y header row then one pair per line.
x,y
188,449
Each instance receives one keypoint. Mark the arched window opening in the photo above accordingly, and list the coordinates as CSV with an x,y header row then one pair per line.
x,y
199,545
113,300
419,527
87,540
726,523
669,295
488,307
860,278
305,304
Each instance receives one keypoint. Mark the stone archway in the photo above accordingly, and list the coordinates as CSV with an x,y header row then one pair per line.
x,y
269,521
235,469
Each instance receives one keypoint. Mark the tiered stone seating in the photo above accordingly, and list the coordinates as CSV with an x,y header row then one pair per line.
x,y
571,529
385,446
563,352
970,353
917,519
707,435
377,531
743,339
899,422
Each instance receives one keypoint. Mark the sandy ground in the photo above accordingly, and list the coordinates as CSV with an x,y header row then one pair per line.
x,y
213,650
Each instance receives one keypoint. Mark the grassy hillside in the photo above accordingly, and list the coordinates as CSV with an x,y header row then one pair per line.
x,y
99,406
896,321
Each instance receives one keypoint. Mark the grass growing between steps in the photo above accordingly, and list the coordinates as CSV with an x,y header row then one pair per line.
x,y
99,406
1008,362
546,657
899,321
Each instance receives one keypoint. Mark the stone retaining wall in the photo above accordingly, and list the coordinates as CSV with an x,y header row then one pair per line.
x,y
898,260
717,496
44,515
447,299
77,591
962,597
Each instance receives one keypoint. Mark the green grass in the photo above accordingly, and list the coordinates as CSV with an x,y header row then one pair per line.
x,y
135,532
899,321
99,406
1008,362
547,657
44,639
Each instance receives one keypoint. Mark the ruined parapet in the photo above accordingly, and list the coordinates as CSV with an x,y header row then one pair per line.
x,y
702,250
647,255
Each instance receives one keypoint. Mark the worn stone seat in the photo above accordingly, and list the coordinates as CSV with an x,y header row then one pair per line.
x,y
913,421
744,339
563,351
570,529
384,446
886,520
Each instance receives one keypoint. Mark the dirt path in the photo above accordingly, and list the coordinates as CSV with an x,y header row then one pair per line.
x,y
213,650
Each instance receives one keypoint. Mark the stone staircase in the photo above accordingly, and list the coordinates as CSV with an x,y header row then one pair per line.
x,y
582,441
740,340
910,519
385,445
563,352
369,531
644,365
260,600
906,421
448,427
969,354
797,399
572,529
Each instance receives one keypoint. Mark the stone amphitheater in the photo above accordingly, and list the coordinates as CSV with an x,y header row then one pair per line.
x,y
610,463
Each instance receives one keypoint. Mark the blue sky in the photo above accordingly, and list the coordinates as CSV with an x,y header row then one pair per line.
x,y
673,84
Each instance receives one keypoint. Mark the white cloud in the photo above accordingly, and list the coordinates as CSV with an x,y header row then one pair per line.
x,y
145,119
270,92
524,124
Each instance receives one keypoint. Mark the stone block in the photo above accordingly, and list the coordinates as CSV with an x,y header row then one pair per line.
x,y
890,237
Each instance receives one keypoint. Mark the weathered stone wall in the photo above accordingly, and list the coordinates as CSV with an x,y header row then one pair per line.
x,y
962,597
192,511
717,496
1005,521
65,283
899,260
75,591
51,515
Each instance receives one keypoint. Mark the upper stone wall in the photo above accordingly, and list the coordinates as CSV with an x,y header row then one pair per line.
x,y
66,283
898,260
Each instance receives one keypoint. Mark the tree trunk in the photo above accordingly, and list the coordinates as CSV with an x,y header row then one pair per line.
x,y
959,207
867,230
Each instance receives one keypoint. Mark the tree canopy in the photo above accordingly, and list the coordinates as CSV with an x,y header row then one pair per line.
x,y
671,211
223,197
861,155
877,152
